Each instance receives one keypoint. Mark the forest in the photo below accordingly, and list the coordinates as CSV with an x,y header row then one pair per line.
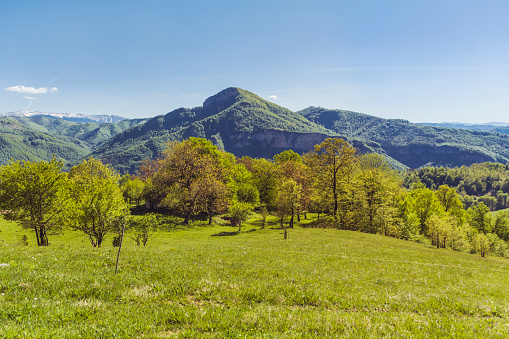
x,y
447,208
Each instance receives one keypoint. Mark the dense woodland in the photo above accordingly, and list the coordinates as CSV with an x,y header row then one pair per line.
x,y
341,189
485,182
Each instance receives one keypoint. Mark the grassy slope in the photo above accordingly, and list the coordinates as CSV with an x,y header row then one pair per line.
x,y
211,282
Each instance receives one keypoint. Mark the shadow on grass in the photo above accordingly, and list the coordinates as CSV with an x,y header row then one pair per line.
x,y
225,234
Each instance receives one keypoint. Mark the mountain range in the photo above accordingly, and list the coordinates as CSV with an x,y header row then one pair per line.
x,y
75,117
242,123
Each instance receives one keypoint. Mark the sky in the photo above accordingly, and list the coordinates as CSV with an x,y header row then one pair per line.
x,y
420,60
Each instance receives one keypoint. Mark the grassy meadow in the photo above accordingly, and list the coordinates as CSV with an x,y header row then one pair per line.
x,y
210,281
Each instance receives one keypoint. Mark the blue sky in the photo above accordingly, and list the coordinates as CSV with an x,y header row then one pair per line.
x,y
425,61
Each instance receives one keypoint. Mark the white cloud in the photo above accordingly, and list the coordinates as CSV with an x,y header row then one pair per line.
x,y
31,90
273,96
30,98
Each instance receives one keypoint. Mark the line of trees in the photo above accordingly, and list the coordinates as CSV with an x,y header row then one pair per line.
x,y
38,196
346,190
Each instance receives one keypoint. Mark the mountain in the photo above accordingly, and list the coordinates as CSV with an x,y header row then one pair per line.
x,y
242,123
75,117
235,120
415,145
91,133
38,137
19,142
493,127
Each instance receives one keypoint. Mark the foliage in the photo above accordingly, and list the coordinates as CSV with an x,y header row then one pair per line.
x,y
332,162
193,175
240,212
133,190
96,204
33,194
480,218
145,228
288,201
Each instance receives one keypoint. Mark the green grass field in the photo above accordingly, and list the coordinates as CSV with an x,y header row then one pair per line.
x,y
212,282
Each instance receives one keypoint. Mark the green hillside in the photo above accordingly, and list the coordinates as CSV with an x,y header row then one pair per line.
x,y
412,144
19,142
93,134
212,282
232,119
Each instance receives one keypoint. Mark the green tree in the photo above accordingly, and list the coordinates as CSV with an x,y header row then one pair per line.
x,y
96,202
481,244
480,217
288,155
501,225
33,194
332,163
239,213
133,190
145,228
423,203
265,179
288,201
379,186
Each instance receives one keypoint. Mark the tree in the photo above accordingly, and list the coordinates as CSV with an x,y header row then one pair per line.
x,y
480,218
265,180
96,202
288,201
332,162
146,227
423,203
239,213
33,195
501,225
189,174
133,190
288,155
481,244
379,186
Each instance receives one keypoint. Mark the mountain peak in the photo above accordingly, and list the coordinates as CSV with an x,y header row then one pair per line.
x,y
222,100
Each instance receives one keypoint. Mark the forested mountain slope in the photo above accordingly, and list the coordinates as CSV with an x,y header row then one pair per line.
x,y
92,133
235,120
412,144
19,142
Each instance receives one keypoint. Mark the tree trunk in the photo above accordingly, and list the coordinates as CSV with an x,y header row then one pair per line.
x,y
188,216
240,226
335,193
37,235
210,218
43,236
298,217
291,221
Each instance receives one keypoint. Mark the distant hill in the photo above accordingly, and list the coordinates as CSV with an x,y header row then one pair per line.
x,y
92,133
75,117
493,127
38,137
415,145
19,142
